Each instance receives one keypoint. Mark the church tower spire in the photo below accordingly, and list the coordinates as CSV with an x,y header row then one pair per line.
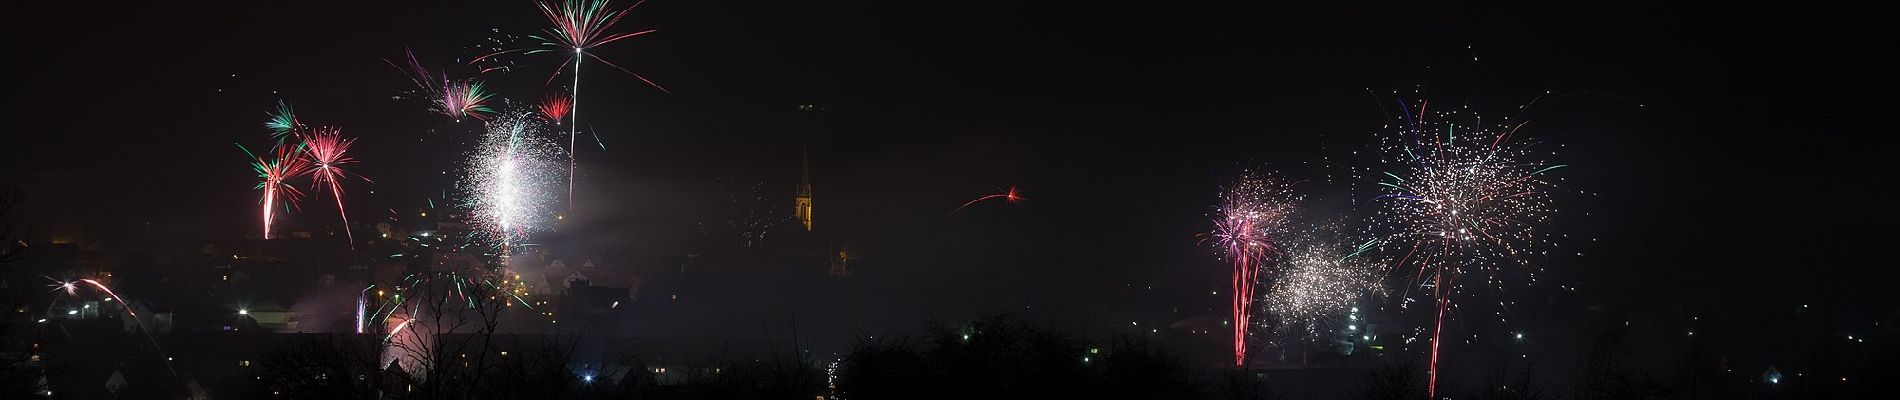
x,y
802,204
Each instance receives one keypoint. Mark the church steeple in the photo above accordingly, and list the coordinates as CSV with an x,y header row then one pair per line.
x,y
802,205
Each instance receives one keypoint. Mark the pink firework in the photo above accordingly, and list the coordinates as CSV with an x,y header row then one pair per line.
x,y
115,296
555,107
1249,228
464,98
286,163
457,99
327,151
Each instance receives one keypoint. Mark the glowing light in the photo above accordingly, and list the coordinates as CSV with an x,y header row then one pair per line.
x,y
510,180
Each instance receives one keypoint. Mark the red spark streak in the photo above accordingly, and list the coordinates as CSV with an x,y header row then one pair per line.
x,y
1008,196
328,151
286,164
1438,326
555,107
1244,281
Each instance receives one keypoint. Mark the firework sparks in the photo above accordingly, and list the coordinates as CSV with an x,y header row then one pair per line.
x,y
398,330
578,25
454,98
286,163
59,285
1250,225
510,178
1468,199
1317,283
463,99
282,122
1009,196
362,305
555,107
328,151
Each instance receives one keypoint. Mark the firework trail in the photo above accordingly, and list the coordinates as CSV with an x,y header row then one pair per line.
x,y
509,179
1009,196
578,25
398,330
72,289
1468,199
328,151
1249,227
115,296
362,305
286,163
555,107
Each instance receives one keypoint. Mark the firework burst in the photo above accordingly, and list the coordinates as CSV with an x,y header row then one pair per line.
x,y
454,98
1469,200
328,151
554,108
286,162
1249,227
463,99
578,25
511,178
1318,282
282,122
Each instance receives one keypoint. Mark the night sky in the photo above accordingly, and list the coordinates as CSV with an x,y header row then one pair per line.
x,y
1734,159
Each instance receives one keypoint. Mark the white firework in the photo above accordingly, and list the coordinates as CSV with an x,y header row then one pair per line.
x,y
513,179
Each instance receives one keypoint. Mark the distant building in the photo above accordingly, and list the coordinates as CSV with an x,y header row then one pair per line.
x,y
802,204
841,265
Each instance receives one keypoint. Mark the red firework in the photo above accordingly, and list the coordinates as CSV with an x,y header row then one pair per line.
x,y
1009,196
555,107
327,151
287,162
1252,217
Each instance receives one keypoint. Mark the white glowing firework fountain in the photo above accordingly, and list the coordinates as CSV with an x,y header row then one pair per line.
x,y
512,181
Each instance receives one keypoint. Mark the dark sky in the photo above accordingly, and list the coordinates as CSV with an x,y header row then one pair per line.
x,y
1736,153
